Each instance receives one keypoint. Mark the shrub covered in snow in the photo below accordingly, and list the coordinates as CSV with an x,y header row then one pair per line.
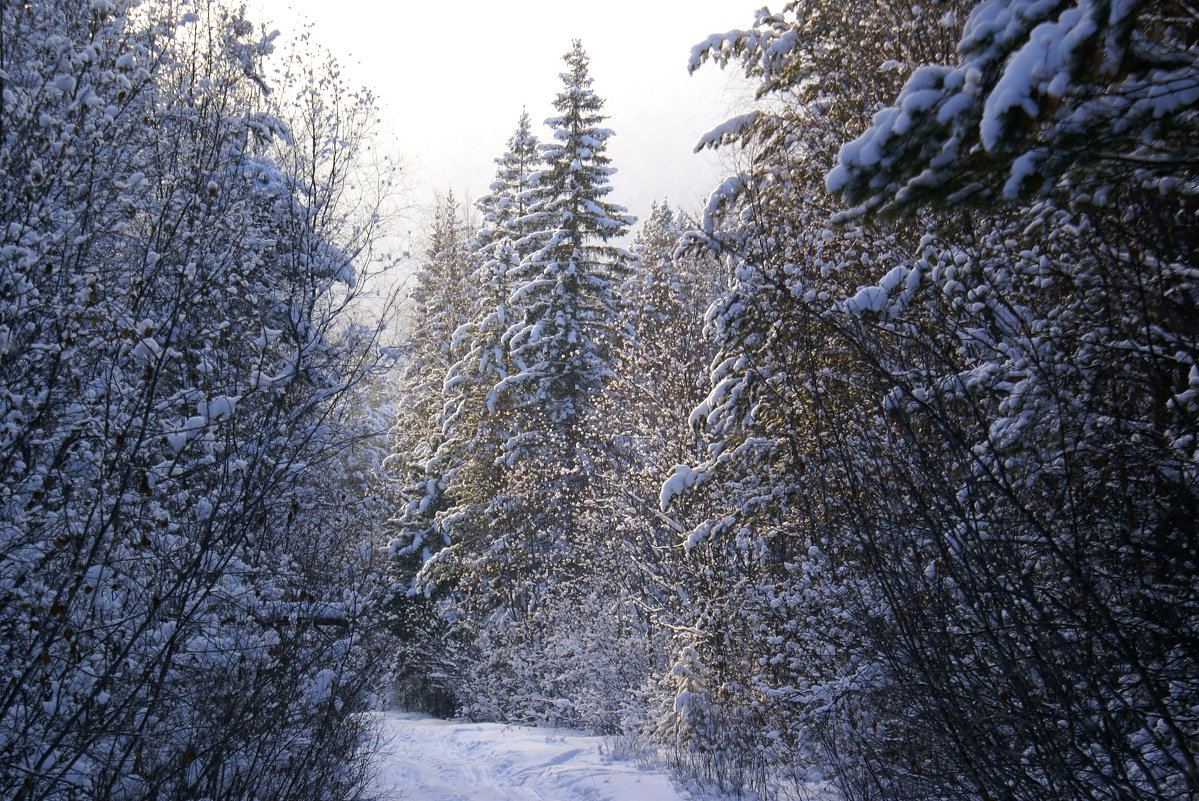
x,y
182,598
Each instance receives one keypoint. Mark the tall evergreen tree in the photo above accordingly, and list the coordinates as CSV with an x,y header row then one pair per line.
x,y
567,288
450,491
511,469
440,303
562,343
466,319
472,423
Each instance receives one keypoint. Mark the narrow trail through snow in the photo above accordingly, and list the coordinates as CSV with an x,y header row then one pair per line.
x,y
425,759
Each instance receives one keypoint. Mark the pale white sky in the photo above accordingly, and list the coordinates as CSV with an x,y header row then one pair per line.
x,y
453,77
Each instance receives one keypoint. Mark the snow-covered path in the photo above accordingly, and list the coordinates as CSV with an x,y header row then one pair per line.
x,y
425,759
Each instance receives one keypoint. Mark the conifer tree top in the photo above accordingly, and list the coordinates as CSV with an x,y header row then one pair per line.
x,y
577,166
576,80
566,285
508,197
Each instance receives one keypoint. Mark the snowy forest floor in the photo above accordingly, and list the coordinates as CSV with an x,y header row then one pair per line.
x,y
426,759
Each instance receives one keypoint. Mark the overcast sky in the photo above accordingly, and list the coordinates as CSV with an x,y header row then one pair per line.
x,y
452,79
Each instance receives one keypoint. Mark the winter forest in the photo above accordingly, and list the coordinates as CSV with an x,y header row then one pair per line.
x,y
877,477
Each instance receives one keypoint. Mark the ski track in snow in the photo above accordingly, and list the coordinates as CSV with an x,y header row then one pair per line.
x,y
426,759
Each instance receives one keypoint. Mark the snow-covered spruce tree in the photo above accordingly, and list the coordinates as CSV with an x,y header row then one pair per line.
x,y
565,291
474,420
558,351
447,513
563,346
440,303
181,614
600,638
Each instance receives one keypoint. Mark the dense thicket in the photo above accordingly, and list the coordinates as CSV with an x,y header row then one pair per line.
x,y
182,590
963,439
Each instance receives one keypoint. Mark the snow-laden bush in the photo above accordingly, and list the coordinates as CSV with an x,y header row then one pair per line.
x,y
960,443
182,599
